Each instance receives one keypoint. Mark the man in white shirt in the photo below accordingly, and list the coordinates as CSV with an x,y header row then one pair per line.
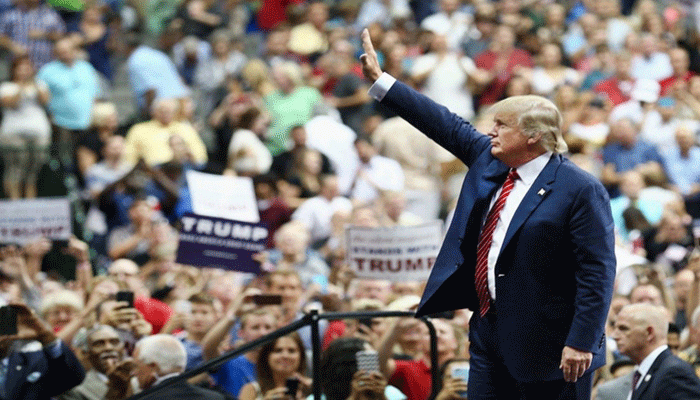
x,y
640,333
651,63
375,174
316,212
450,21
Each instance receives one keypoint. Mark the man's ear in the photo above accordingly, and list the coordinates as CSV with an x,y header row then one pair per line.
x,y
534,139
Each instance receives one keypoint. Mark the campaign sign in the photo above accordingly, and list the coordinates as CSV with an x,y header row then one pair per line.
x,y
220,243
396,254
229,197
22,221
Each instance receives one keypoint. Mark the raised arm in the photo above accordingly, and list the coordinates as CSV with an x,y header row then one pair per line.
x,y
434,120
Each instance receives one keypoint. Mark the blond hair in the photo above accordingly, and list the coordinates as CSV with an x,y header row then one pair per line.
x,y
535,115
61,298
102,110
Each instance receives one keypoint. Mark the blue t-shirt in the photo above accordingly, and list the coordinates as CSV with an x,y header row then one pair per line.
x,y
234,374
194,353
73,91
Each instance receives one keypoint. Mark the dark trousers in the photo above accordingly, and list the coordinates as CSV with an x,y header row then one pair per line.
x,y
489,378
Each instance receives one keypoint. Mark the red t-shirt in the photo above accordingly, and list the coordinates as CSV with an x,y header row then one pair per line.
x,y
496,89
154,311
334,330
611,88
667,84
413,378
272,12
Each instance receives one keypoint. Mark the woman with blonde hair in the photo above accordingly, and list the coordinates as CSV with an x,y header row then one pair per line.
x,y
104,125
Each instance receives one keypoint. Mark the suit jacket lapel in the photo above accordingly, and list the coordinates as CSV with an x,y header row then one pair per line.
x,y
646,379
493,178
538,191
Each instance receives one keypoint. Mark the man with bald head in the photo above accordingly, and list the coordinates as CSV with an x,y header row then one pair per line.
x,y
104,348
150,140
530,249
640,333
680,62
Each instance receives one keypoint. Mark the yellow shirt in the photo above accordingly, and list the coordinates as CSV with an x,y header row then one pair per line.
x,y
305,39
149,140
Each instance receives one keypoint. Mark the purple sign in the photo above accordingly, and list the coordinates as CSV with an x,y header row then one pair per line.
x,y
220,243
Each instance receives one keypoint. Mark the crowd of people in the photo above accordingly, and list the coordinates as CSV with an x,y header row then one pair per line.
x,y
109,103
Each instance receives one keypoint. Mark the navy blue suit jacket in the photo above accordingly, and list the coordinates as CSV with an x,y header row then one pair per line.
x,y
555,271
35,375
669,378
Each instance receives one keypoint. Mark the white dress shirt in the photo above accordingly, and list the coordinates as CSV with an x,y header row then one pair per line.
x,y
316,213
384,174
528,172
645,365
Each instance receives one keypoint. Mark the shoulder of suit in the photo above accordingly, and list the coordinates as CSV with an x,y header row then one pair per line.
x,y
674,362
619,381
573,172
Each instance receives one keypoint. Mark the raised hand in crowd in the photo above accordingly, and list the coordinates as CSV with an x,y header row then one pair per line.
x,y
452,388
35,252
367,386
15,266
29,327
119,315
119,384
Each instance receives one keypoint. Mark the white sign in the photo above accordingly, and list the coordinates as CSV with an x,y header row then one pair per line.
x,y
225,197
396,254
22,221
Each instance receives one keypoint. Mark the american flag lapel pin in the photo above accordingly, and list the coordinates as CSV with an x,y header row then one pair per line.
x,y
541,192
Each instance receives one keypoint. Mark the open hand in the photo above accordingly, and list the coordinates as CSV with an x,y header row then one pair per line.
x,y
370,62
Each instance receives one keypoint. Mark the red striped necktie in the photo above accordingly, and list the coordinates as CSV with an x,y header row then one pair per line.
x,y
485,239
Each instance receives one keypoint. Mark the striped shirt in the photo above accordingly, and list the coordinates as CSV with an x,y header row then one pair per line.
x,y
18,22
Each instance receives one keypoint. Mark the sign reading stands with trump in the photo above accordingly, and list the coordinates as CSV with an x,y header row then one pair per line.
x,y
22,221
395,254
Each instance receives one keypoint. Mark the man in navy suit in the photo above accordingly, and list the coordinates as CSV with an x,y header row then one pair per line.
x,y
640,333
530,249
35,364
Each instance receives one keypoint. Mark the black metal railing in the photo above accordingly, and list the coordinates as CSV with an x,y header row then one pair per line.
x,y
311,319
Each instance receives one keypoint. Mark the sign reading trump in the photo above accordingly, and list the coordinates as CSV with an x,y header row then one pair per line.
x,y
396,254
22,221
220,243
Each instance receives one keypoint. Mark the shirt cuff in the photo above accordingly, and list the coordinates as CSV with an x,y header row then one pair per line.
x,y
54,349
381,86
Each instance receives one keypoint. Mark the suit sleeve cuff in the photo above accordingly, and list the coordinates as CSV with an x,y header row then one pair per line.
x,y
381,86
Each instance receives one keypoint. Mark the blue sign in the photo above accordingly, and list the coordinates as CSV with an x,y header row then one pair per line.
x,y
220,243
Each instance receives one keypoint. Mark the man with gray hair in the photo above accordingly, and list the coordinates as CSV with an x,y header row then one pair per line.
x,y
530,248
156,359
104,350
640,332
